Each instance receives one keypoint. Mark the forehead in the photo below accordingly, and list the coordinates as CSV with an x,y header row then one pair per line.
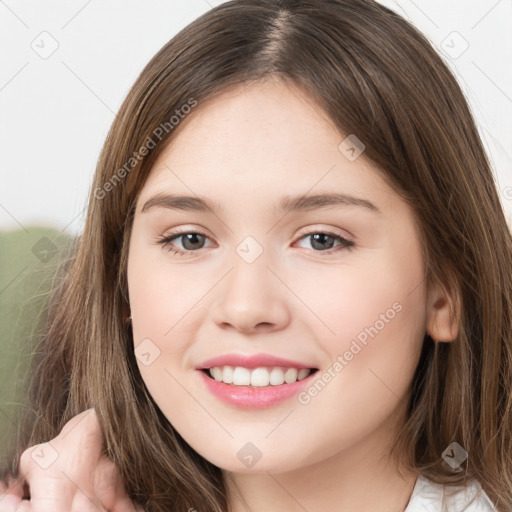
x,y
257,142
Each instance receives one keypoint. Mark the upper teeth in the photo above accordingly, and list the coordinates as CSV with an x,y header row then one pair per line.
x,y
240,376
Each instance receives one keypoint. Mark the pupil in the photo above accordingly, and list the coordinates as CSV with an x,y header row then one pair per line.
x,y
187,239
321,237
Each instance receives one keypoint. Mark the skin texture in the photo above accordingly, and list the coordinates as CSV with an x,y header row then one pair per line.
x,y
246,149
80,479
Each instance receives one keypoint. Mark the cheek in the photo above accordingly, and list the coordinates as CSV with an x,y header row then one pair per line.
x,y
162,331
377,315
372,313
160,300
160,315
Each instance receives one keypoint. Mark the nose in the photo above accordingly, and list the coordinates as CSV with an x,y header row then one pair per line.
x,y
251,298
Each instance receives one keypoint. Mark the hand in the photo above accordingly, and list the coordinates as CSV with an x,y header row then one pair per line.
x,y
69,474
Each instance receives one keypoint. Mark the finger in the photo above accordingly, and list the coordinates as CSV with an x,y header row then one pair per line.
x,y
89,416
11,496
84,503
84,430
109,487
9,503
62,472
14,488
126,505
27,461
110,490
23,506
50,491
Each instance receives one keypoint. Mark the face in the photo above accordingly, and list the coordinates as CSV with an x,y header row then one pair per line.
x,y
311,310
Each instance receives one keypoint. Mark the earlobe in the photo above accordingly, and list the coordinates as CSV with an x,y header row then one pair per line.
x,y
443,314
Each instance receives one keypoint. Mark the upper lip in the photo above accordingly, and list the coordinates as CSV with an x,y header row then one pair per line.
x,y
253,361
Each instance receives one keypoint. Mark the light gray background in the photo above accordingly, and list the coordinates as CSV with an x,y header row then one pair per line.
x,y
56,109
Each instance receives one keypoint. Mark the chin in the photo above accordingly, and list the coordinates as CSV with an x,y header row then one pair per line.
x,y
246,458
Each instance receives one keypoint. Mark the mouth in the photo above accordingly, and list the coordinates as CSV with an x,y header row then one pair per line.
x,y
260,377
254,381
255,388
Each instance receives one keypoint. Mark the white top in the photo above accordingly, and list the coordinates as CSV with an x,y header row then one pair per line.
x,y
427,496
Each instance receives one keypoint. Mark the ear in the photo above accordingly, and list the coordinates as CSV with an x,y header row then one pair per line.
x,y
443,313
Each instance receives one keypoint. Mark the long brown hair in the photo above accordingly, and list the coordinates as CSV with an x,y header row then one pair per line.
x,y
375,76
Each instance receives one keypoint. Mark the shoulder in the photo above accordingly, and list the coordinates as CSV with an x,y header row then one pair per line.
x,y
428,496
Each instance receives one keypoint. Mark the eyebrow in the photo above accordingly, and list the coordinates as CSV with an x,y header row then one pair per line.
x,y
287,203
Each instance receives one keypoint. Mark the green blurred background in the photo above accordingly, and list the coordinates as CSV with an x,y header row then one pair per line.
x,y
29,258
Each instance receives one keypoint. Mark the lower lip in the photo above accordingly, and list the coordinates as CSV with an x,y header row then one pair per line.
x,y
248,397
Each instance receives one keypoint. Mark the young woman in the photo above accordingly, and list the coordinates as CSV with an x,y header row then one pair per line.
x,y
293,289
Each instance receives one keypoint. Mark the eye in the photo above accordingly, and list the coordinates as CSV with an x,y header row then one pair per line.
x,y
191,241
324,242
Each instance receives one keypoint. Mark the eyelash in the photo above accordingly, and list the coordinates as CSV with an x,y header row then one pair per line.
x,y
166,241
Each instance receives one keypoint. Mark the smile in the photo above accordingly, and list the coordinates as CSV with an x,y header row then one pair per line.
x,y
258,377
255,388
